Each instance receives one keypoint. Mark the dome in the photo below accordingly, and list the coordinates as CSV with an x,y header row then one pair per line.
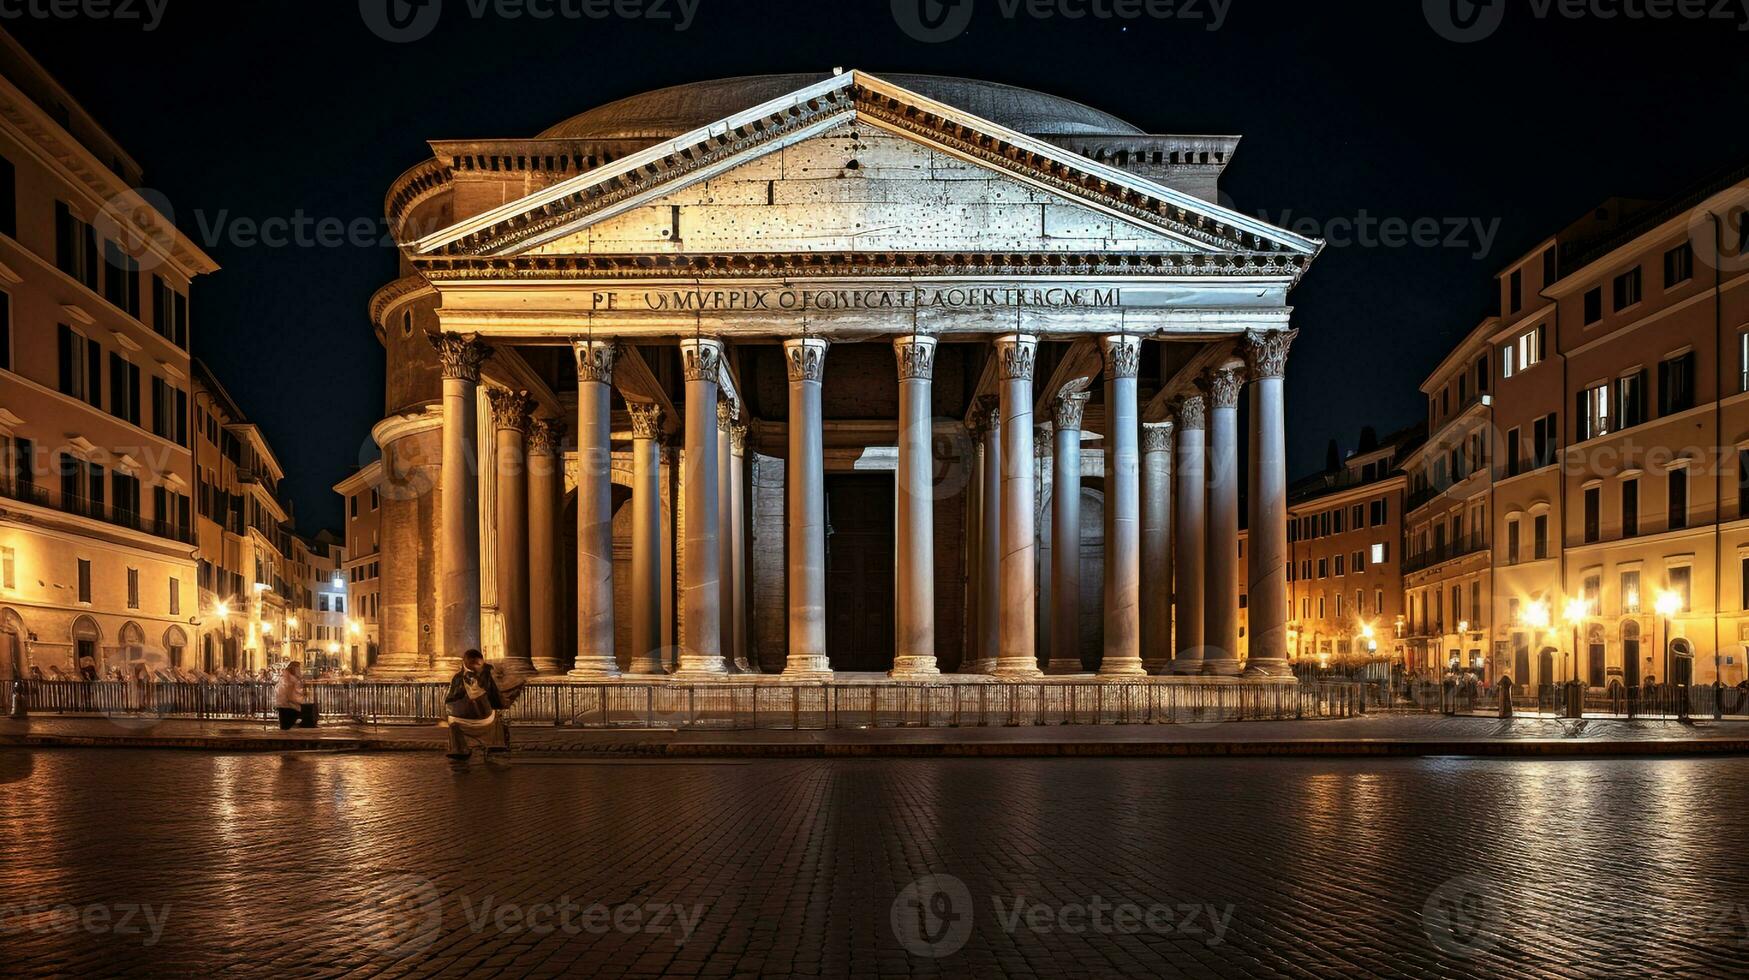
x,y
669,112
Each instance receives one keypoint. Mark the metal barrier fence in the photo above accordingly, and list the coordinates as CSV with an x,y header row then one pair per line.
x,y
669,705
1666,701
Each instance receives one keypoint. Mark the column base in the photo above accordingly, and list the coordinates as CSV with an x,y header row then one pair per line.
x,y
515,666
1017,667
646,670
1065,667
1157,667
546,666
1122,667
914,668
1187,665
808,666
594,669
706,666
985,666
1223,667
1268,667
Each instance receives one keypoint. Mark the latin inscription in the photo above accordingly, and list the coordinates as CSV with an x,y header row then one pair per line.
x,y
948,298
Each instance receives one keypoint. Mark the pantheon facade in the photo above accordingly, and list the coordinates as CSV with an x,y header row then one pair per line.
x,y
810,375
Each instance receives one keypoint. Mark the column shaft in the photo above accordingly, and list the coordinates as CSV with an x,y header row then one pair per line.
x,y
546,483
725,532
1188,497
914,601
459,505
1065,655
1221,600
1017,655
595,653
1157,547
989,539
805,508
1267,558
701,631
738,634
1123,526
646,586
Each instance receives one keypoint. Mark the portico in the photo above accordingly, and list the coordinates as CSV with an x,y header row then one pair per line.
x,y
852,278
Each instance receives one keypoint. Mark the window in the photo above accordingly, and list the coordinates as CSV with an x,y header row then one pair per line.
x,y
1482,373
1338,605
1630,400
1507,361
1380,512
352,505
1359,564
1679,265
1336,522
1678,477
133,588
81,366
5,331
1540,536
8,199
84,580
1530,348
1592,418
1341,565
1512,542
339,603
1676,384
1593,305
1630,508
1630,591
1515,291
1378,599
1543,433
373,499
175,596
1626,289
1321,607
1548,266
1323,568
1514,460
1681,582
1476,599
75,246
8,569
1380,553
1743,359
1357,516
124,389
1593,513
121,283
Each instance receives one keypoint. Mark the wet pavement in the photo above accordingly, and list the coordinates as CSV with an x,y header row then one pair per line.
x,y
180,863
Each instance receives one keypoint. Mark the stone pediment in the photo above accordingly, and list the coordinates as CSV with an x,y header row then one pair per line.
x,y
857,165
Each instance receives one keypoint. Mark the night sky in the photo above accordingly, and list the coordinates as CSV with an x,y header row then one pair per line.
x,y
245,112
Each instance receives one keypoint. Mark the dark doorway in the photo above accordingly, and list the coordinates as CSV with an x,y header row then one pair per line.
x,y
859,572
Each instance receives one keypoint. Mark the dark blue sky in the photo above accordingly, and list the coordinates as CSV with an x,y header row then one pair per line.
x,y
244,113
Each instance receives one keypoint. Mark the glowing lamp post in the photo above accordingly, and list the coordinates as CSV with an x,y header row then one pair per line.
x,y
1577,610
1668,604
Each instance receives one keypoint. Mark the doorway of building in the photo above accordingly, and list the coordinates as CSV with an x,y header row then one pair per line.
x,y
859,571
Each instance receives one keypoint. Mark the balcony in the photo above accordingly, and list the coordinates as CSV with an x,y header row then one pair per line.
x,y
32,493
1448,551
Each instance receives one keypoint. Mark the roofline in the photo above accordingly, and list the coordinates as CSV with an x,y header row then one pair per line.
x,y
369,475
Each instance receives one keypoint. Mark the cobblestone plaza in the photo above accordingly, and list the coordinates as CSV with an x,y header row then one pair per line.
x,y
385,865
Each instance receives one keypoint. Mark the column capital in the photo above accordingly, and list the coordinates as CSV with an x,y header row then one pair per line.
x,y
1266,352
1015,354
646,419
1042,443
1157,436
986,416
701,358
738,439
460,354
1223,384
1122,355
1192,413
544,436
726,413
595,360
806,357
1070,409
510,409
916,356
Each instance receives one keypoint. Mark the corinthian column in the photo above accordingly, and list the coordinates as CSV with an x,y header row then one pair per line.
x,y
1267,562
726,521
1157,547
805,506
546,482
595,657
914,607
1017,654
987,558
459,554
1221,601
646,584
701,631
738,550
510,419
1187,557
1068,413
1123,546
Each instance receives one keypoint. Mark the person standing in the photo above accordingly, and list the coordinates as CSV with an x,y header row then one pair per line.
x,y
474,709
288,695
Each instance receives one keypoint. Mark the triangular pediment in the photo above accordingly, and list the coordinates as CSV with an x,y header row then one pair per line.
x,y
790,176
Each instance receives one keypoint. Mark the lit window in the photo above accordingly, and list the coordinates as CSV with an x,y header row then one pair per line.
x,y
1378,553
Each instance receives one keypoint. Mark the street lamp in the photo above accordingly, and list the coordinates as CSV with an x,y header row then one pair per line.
x,y
1577,610
1668,604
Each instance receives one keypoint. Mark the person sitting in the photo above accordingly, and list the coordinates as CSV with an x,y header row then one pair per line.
x,y
288,695
474,709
